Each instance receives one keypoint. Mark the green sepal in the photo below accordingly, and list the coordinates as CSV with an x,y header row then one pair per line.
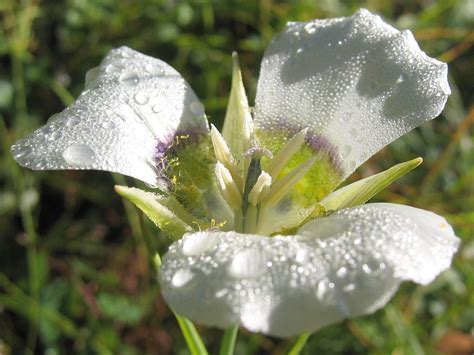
x,y
363,190
153,205
238,126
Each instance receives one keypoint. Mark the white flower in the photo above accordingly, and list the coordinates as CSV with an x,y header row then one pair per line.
x,y
267,243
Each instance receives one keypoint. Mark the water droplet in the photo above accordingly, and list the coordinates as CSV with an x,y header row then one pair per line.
x,y
321,289
341,272
141,98
55,135
349,288
197,108
154,69
79,154
157,108
126,53
366,269
123,98
54,118
91,77
198,243
129,78
302,256
310,28
182,277
248,263
19,151
221,293
73,121
113,68
400,79
108,124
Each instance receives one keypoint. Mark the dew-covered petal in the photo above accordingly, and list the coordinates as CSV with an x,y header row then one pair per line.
x,y
355,82
344,265
129,113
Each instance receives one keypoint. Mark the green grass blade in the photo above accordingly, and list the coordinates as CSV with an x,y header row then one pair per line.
x,y
228,341
192,337
299,344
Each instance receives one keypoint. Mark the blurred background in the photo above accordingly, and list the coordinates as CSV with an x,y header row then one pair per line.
x,y
75,276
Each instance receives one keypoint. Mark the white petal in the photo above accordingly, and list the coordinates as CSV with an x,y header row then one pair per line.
x,y
347,264
356,83
131,109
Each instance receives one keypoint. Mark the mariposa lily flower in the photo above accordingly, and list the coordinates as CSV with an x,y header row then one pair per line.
x,y
263,239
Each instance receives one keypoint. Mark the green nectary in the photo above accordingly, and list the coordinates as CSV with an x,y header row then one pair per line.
x,y
190,169
320,180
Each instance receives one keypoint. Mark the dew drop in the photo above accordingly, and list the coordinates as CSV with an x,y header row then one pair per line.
x,y
157,108
198,243
182,277
349,287
73,121
55,135
113,68
197,108
129,78
400,79
221,293
123,98
321,290
249,263
153,69
302,256
91,76
126,53
341,272
108,124
79,154
310,28
54,118
140,98
366,269
19,151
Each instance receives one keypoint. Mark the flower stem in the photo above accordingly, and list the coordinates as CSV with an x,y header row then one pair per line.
x,y
228,341
191,335
299,344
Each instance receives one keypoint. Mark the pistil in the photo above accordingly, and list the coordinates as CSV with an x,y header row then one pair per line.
x,y
250,191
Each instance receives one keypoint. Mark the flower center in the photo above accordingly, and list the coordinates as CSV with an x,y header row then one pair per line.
x,y
251,192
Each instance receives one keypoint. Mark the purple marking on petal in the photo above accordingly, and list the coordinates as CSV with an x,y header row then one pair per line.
x,y
166,146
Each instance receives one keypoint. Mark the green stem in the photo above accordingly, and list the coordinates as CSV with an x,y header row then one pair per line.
x,y
228,341
191,335
299,344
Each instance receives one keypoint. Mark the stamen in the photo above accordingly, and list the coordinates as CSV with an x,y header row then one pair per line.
x,y
228,187
285,154
224,156
260,189
283,185
221,149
